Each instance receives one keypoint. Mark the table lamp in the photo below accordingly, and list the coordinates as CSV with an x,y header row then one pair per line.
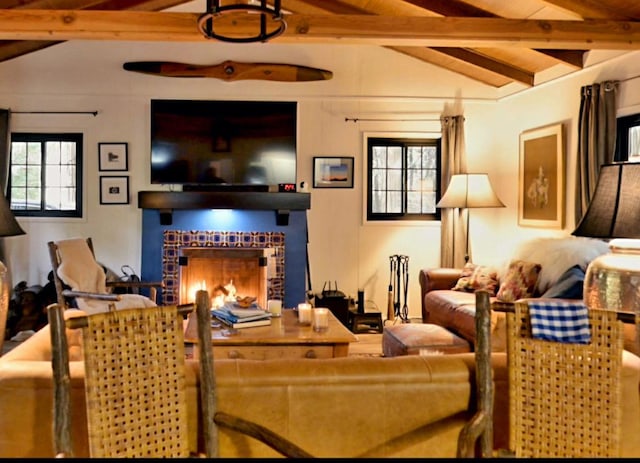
x,y
612,281
469,191
8,227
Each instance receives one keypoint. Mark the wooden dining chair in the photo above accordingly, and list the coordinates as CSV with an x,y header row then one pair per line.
x,y
564,395
134,381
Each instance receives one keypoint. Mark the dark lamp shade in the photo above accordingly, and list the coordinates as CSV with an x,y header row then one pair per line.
x,y
614,211
469,191
8,224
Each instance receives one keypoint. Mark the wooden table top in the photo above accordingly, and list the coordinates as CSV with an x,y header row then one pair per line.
x,y
283,330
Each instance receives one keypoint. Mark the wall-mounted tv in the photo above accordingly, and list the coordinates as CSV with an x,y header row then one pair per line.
x,y
223,143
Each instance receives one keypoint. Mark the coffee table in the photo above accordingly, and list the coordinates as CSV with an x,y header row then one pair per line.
x,y
284,338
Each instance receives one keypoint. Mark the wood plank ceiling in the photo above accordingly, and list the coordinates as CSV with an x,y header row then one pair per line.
x,y
491,64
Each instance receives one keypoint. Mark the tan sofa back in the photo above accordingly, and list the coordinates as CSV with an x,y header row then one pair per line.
x,y
409,406
344,407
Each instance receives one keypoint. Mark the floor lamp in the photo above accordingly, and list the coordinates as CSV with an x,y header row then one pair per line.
x,y
8,227
469,191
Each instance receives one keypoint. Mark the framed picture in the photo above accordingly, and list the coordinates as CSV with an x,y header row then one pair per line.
x,y
541,178
114,190
332,172
113,157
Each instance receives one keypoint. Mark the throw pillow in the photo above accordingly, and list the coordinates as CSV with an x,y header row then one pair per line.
x,y
475,277
569,286
519,281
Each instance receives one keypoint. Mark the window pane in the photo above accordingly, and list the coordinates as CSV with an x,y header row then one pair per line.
x,y
403,179
52,192
379,179
414,157
429,158
395,202
68,153
379,157
395,157
379,203
18,176
414,203
428,202
34,153
52,176
395,180
634,144
19,153
53,152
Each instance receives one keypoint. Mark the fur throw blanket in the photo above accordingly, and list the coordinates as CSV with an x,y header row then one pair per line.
x,y
557,255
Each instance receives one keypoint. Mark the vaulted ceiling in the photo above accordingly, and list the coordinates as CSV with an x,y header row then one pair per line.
x,y
495,42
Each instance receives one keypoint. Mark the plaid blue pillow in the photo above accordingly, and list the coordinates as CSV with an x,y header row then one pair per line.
x,y
560,321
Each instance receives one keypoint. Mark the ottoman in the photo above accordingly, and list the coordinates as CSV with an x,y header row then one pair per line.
x,y
421,339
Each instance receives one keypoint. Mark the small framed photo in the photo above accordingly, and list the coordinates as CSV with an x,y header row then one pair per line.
x,y
332,172
113,157
114,190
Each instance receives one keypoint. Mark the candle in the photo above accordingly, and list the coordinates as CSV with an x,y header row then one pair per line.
x,y
320,318
274,307
304,313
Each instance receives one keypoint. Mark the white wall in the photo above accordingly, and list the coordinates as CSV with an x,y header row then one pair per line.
x,y
368,82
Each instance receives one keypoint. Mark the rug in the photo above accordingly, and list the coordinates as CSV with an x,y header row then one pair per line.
x,y
368,345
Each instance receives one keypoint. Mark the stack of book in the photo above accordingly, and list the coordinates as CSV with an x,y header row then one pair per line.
x,y
239,317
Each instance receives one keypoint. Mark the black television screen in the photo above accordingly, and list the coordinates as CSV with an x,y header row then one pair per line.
x,y
223,142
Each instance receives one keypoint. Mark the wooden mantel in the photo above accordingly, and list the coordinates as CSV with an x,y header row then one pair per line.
x,y
281,203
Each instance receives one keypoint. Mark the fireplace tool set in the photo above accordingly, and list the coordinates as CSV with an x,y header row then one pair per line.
x,y
398,267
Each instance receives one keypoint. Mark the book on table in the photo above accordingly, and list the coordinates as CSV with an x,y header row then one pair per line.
x,y
238,317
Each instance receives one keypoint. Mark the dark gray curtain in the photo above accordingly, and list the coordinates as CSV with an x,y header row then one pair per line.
x,y
596,139
5,140
453,234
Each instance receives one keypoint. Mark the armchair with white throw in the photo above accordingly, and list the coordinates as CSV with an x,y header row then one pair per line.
x,y
75,266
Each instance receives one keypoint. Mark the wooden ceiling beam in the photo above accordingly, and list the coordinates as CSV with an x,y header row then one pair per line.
x,y
573,58
592,9
25,24
489,64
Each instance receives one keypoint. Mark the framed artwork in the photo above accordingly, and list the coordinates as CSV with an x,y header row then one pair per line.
x,y
541,193
113,157
114,190
332,172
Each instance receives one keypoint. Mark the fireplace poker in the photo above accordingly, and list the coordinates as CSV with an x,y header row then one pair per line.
x,y
390,311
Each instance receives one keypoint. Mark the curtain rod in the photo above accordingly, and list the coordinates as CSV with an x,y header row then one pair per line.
x,y
357,119
94,113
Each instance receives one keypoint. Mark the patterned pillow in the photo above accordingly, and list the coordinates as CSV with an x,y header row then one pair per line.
x,y
519,281
475,277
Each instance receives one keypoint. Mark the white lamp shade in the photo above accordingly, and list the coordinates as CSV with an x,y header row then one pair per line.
x,y
469,191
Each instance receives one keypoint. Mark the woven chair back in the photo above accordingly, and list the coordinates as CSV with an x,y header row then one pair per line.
x,y
564,398
135,383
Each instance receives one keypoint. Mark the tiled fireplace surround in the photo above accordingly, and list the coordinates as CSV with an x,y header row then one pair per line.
x,y
162,246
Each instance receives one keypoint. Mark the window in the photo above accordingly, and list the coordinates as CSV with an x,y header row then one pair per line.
x,y
45,176
628,138
403,179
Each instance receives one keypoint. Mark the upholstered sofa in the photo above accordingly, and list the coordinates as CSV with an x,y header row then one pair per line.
x,y
341,407
562,261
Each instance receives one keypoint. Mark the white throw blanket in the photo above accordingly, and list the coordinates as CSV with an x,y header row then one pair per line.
x,y
81,272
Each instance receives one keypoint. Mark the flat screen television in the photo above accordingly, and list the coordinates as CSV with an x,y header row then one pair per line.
x,y
216,144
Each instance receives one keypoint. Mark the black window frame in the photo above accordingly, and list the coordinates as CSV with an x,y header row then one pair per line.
x,y
404,143
78,139
623,125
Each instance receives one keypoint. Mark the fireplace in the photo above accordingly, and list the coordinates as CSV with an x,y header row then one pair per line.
x,y
163,245
251,262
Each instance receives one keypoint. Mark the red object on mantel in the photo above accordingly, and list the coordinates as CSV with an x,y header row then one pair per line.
x,y
286,187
